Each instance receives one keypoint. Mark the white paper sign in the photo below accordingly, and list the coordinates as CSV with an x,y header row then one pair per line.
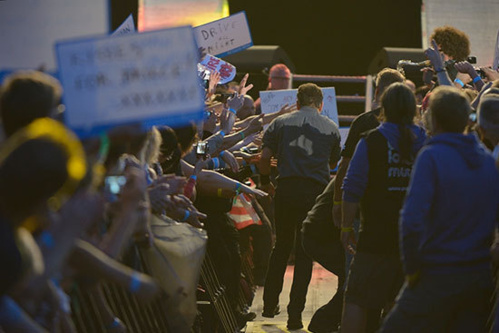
x,y
127,27
213,64
149,78
225,36
274,100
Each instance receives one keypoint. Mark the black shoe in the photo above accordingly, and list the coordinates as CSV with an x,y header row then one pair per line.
x,y
294,324
243,318
271,314
249,316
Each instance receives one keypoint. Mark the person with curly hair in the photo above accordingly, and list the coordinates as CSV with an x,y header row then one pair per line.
x,y
453,43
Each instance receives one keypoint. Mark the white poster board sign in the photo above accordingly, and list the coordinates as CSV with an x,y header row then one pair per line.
x,y
127,27
225,36
274,100
29,29
149,78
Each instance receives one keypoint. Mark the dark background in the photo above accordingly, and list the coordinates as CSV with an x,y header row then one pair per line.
x,y
333,37
322,36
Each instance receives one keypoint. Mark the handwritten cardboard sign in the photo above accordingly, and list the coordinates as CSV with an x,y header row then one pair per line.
x,y
225,36
149,78
214,64
127,27
274,100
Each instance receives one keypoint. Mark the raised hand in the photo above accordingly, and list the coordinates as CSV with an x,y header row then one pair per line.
x,y
243,89
434,56
465,67
213,82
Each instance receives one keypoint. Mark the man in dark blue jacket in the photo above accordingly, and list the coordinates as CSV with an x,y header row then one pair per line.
x,y
446,228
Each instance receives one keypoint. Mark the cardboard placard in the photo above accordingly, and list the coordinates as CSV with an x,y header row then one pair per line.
x,y
213,64
225,36
149,78
274,100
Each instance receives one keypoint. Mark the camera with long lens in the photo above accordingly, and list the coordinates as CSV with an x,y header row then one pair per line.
x,y
412,70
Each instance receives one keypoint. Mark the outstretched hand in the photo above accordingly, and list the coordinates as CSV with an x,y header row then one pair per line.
x,y
227,121
287,109
258,193
231,161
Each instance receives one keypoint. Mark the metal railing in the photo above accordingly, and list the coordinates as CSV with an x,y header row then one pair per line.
x,y
367,80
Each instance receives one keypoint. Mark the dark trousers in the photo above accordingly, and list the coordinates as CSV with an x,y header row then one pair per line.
x,y
331,256
223,247
261,237
459,302
293,199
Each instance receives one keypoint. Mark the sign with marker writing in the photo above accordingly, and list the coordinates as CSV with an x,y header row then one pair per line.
x,y
214,64
225,36
274,100
150,78
127,27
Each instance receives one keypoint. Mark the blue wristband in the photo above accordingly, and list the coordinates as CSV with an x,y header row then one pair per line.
x,y
194,177
134,283
216,163
232,110
222,153
186,215
476,79
222,133
461,83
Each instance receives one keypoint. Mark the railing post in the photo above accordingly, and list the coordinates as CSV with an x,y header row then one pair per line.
x,y
369,93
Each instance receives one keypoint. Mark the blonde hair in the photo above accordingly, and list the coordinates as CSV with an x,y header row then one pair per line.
x,y
150,150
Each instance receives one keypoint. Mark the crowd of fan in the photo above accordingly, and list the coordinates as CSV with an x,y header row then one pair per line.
x,y
71,209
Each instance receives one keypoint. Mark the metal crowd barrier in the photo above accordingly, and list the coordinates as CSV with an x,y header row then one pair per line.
x,y
137,317
217,314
